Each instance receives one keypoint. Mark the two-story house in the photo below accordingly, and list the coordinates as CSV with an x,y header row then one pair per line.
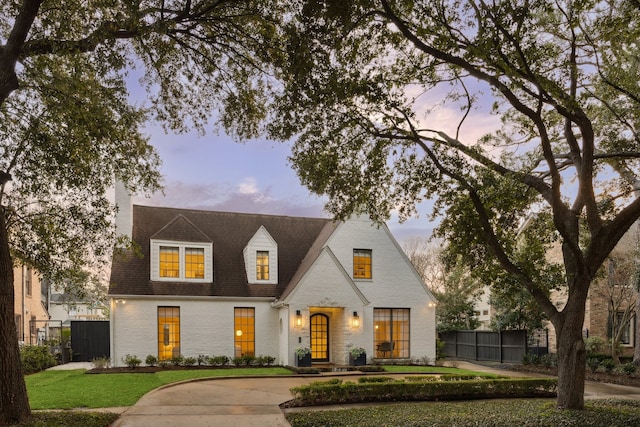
x,y
220,283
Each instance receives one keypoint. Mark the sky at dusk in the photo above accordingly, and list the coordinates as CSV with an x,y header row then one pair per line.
x,y
213,172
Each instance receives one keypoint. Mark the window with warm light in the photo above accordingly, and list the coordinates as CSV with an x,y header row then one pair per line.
x,y
391,333
176,261
169,261
194,263
362,263
262,265
244,331
168,332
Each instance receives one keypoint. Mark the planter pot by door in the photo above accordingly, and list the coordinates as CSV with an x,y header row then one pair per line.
x,y
358,361
304,362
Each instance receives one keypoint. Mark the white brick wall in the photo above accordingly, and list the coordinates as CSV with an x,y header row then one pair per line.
x,y
207,323
206,327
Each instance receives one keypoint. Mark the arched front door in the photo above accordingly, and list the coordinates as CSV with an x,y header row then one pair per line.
x,y
319,338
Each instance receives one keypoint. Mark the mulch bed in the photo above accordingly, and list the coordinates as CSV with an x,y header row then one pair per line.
x,y
152,369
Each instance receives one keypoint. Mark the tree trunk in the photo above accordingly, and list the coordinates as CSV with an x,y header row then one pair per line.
x,y
572,360
14,403
636,353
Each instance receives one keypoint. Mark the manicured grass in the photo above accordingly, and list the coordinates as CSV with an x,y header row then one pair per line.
x,y
480,413
404,369
76,389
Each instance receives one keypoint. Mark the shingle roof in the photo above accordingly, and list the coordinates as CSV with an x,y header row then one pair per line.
x,y
230,233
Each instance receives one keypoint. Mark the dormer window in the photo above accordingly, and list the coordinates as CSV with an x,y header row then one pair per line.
x,y
181,261
194,263
169,261
262,265
261,258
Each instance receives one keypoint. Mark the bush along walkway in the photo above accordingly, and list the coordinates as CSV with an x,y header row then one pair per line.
x,y
419,388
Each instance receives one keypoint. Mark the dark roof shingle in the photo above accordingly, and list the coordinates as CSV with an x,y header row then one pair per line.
x,y
230,233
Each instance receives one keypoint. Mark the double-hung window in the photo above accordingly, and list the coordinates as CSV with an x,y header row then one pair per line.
x,y
186,262
362,263
262,265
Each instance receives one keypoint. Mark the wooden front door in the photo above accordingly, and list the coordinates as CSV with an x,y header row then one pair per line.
x,y
319,338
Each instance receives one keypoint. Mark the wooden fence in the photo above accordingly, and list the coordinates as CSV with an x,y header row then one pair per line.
x,y
503,346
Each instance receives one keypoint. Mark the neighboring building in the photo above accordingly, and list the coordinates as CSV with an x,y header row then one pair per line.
x,y
66,307
598,314
219,283
30,313
483,309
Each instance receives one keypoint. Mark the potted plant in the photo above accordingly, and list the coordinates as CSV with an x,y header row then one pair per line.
x,y
303,357
357,356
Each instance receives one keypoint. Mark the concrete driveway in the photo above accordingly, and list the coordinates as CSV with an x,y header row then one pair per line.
x,y
249,402
225,402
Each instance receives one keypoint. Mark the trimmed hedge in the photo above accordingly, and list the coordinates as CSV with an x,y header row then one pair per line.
x,y
36,358
391,391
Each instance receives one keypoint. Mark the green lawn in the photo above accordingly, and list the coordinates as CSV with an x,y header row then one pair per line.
x,y
75,389
404,369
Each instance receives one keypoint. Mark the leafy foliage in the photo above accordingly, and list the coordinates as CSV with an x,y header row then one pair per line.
x,y
36,358
71,126
553,176
455,309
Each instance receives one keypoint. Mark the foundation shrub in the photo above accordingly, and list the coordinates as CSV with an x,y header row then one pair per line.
x,y
151,360
190,361
132,361
218,360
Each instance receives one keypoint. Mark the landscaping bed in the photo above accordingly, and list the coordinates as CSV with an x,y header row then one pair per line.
x,y
424,388
603,377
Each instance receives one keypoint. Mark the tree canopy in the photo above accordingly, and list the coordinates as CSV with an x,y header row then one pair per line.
x,y
365,80
70,124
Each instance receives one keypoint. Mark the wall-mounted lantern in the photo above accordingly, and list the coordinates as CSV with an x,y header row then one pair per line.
x,y
355,320
298,319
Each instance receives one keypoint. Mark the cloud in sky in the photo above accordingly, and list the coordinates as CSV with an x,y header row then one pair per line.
x,y
246,196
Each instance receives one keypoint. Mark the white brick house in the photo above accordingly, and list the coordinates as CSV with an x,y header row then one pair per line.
x,y
219,283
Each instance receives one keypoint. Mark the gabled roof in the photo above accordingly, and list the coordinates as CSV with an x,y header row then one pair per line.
x,y
230,233
181,229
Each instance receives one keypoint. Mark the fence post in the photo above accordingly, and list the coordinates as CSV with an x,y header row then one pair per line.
x,y
475,343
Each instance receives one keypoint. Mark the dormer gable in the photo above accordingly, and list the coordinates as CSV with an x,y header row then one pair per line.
x,y
181,229
181,252
261,258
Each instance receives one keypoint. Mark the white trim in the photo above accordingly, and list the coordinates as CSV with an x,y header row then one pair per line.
x,y
261,241
155,261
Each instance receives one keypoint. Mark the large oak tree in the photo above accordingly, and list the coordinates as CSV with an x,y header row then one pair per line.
x,y
69,125
364,80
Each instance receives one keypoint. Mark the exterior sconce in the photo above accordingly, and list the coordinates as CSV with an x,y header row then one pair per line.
x,y
298,319
121,301
355,321
431,304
